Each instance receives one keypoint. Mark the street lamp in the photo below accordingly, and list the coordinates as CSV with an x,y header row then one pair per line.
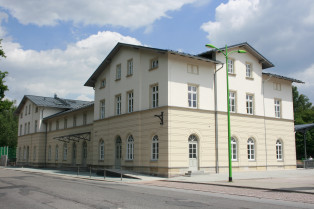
x,y
226,53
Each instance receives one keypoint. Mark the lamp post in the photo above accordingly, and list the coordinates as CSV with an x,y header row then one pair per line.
x,y
226,54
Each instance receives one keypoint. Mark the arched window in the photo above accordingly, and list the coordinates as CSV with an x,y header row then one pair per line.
x,y
192,147
155,148
65,151
192,138
57,152
49,152
130,148
234,149
101,150
279,150
250,149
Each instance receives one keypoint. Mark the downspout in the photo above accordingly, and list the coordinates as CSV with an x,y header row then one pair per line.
x,y
46,131
216,119
265,131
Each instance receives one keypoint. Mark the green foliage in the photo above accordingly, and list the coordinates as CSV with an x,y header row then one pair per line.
x,y
8,121
303,114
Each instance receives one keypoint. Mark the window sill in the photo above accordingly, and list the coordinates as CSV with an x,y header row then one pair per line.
x,y
153,161
232,74
102,87
130,160
129,75
118,79
154,68
249,78
101,161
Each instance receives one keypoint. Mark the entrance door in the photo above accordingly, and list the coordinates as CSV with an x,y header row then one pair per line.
x,y
193,153
84,153
74,154
118,152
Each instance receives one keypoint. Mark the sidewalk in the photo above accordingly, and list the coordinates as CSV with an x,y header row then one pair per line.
x,y
299,180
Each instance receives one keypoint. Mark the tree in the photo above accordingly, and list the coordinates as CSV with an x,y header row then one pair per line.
x,y
303,114
8,121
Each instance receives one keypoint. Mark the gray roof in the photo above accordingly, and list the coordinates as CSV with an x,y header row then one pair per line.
x,y
91,81
53,102
87,105
265,62
283,77
303,127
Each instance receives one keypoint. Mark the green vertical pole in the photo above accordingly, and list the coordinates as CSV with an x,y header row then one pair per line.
x,y
229,127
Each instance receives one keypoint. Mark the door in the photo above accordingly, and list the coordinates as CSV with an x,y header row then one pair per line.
x,y
193,153
84,153
118,152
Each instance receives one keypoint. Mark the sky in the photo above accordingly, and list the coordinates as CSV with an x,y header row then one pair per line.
x,y
53,47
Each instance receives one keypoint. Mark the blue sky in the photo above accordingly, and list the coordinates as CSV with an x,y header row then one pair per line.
x,y
54,48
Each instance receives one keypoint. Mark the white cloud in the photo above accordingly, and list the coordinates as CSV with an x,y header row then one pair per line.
x,y
281,30
131,14
58,71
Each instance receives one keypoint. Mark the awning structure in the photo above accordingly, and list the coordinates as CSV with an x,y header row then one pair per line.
x,y
74,137
304,128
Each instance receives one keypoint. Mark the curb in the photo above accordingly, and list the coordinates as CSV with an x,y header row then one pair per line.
x,y
238,186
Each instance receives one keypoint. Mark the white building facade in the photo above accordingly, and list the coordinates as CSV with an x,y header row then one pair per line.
x,y
163,113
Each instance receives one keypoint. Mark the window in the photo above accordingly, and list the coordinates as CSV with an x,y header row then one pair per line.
x,y
34,154
248,70
234,149
154,90
130,148
20,154
130,101
25,110
65,123
155,148
118,105
277,86
21,114
101,150
130,67
57,125
231,66
57,152
154,63
192,96
84,118
102,109
24,153
36,109
277,108
35,129
118,72
250,149
29,109
74,120
232,100
29,127
85,150
103,83
193,69
49,153
50,126
21,130
65,151
25,128
249,104
279,150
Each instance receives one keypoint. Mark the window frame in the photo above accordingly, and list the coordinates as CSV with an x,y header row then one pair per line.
x,y
154,95
35,126
85,118
102,83
101,150
251,149
130,101
57,153
277,108
65,151
155,148
249,104
250,70
234,149
130,148
231,66
118,103
118,72
102,109
49,152
130,67
192,103
233,107
154,63
279,150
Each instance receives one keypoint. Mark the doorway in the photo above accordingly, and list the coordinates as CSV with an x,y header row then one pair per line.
x,y
118,152
193,153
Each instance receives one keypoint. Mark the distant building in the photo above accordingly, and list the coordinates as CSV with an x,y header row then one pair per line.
x,y
158,112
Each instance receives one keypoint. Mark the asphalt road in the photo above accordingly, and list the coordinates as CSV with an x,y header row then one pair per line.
x,y
29,190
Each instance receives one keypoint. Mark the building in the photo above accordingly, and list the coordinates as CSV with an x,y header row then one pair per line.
x,y
163,112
